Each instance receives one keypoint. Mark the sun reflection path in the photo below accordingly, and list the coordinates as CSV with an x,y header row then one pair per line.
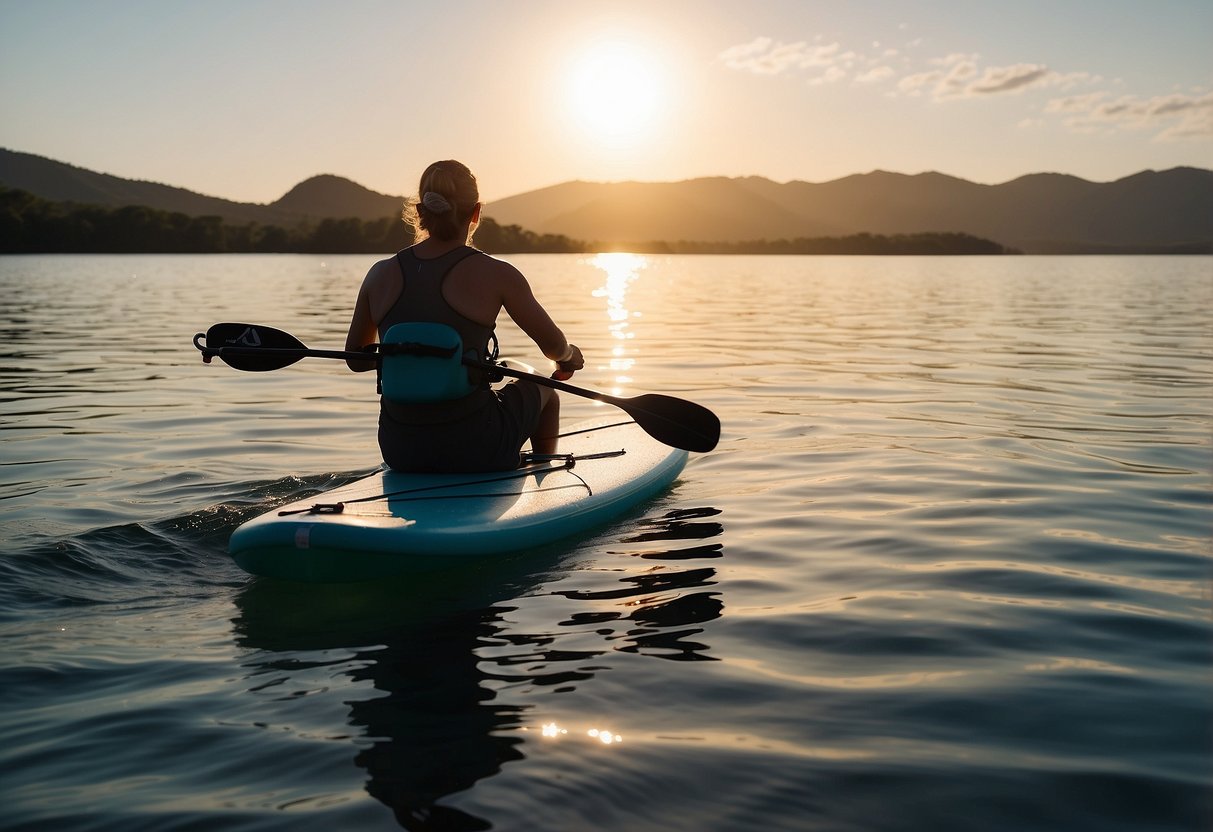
x,y
621,270
551,730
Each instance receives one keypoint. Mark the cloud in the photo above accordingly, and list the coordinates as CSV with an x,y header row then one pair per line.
x,y
956,80
959,76
955,58
1191,128
1075,103
913,84
1009,79
876,74
1168,105
832,75
1177,116
752,57
962,76
765,56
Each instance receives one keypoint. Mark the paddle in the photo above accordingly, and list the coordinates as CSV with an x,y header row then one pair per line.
x,y
258,348
674,422
671,421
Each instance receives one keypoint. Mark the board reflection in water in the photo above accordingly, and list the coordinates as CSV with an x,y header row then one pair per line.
x,y
445,671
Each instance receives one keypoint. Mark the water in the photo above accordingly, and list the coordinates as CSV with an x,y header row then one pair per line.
x,y
948,569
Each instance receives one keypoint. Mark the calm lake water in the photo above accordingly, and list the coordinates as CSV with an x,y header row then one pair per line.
x,y
948,569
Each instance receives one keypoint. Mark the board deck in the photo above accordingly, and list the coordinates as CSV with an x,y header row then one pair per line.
x,y
390,523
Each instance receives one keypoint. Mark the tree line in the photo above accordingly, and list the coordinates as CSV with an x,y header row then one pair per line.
x,y
921,243
31,225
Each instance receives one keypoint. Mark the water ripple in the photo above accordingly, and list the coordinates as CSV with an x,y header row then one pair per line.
x,y
948,569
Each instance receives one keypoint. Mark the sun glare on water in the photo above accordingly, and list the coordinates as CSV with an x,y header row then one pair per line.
x,y
616,89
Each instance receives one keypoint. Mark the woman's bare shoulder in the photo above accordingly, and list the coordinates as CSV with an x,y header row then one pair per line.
x,y
386,266
503,273
382,276
381,287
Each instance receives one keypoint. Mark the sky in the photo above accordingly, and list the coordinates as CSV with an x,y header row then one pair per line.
x,y
243,99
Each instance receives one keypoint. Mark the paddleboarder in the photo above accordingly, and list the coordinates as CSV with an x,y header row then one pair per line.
x,y
442,279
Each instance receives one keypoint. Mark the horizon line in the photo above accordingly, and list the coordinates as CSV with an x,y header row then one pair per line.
x,y
578,181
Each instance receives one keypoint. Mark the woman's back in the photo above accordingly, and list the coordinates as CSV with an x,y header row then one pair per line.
x,y
465,290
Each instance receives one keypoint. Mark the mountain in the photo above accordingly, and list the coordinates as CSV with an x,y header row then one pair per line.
x,y
714,209
1038,213
316,198
1042,213
332,196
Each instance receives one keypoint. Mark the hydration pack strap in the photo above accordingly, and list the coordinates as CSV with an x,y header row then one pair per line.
x,y
418,350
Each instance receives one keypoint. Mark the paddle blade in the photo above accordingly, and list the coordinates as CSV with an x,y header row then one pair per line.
x,y
674,422
253,347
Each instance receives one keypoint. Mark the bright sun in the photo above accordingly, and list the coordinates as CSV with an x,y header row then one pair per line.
x,y
616,89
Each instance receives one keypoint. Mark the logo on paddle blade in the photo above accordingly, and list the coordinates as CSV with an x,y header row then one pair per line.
x,y
248,338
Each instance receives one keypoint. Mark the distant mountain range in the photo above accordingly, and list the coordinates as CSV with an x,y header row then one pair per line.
x,y
1038,213
317,198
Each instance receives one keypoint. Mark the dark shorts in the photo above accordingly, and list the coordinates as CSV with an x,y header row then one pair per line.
x,y
487,439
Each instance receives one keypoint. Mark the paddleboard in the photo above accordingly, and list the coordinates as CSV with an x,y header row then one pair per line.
x,y
391,523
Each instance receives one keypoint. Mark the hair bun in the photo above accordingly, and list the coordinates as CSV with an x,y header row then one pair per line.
x,y
436,202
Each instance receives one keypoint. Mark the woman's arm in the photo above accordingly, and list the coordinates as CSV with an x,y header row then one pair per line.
x,y
520,302
363,328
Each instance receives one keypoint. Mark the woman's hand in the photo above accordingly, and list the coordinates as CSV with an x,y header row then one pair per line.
x,y
571,363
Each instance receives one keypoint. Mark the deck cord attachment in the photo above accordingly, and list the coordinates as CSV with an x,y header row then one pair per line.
x,y
531,465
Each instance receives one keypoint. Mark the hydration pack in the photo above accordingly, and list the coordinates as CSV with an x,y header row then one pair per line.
x,y
422,362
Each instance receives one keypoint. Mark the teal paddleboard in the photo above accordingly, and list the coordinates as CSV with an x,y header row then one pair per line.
x,y
390,523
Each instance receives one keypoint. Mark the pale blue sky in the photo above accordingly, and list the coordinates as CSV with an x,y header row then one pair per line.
x,y
245,99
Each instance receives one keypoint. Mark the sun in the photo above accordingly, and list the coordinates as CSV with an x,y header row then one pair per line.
x,y
616,89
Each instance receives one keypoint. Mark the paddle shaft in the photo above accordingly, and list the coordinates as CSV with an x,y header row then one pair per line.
x,y
544,381
671,421
296,353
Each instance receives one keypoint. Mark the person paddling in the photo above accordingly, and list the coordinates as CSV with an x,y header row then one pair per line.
x,y
442,279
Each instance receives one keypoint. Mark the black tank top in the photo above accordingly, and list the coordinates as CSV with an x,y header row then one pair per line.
x,y
422,300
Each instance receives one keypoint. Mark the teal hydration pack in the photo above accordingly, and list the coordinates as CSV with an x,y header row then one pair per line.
x,y
421,363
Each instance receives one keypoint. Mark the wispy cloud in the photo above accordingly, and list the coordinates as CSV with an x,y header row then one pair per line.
x,y
1075,103
958,75
961,76
876,74
1010,79
765,56
820,63
1177,116
831,75
964,76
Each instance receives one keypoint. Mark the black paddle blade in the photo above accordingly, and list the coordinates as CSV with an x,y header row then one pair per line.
x,y
252,347
674,422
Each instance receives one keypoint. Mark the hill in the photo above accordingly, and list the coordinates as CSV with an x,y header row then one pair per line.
x,y
1039,213
320,197
332,196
